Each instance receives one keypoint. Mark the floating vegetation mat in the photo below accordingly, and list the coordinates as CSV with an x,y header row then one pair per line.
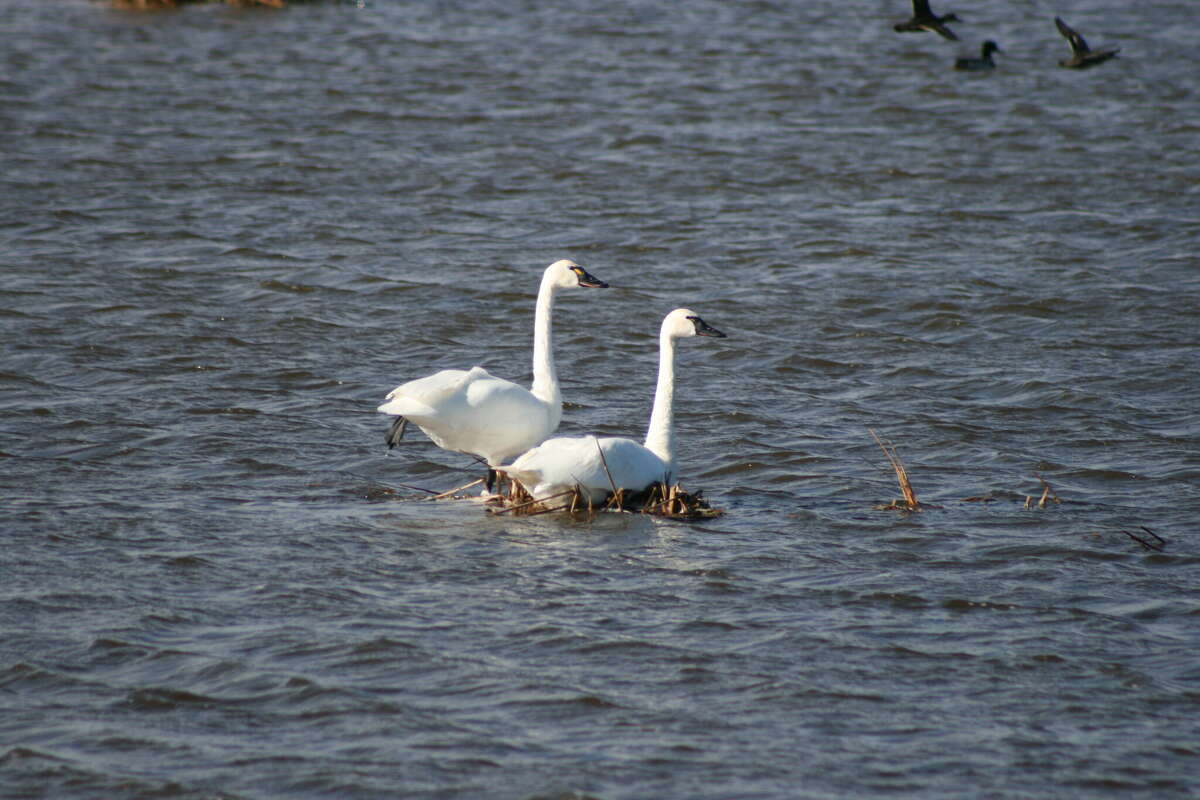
x,y
659,500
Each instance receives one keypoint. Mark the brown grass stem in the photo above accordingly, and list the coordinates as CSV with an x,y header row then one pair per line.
x,y
452,492
604,461
910,497
533,502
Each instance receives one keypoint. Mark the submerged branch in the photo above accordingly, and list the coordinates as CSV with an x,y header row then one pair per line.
x,y
1157,546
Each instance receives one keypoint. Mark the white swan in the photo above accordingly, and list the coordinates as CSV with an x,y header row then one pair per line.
x,y
559,465
473,412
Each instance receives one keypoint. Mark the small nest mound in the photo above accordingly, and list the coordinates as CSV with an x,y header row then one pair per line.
x,y
658,500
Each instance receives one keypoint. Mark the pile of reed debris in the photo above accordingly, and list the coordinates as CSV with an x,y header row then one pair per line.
x,y
658,500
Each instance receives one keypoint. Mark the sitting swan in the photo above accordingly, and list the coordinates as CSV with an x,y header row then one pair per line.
x,y
473,412
559,465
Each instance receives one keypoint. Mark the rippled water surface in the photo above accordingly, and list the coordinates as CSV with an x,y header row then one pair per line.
x,y
228,233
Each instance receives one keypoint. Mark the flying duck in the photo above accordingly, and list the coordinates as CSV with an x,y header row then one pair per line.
x,y
1082,56
923,19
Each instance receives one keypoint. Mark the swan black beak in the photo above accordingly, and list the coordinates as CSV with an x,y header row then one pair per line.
x,y
587,279
704,329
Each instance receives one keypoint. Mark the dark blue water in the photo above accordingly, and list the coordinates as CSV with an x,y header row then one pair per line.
x,y
228,233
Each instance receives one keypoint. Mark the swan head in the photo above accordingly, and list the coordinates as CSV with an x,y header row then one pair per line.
x,y
685,322
566,274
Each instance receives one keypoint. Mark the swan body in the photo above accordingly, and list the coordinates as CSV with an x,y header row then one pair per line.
x,y
1082,56
923,19
598,465
472,411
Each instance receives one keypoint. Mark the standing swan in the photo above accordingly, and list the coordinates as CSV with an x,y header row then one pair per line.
x,y
559,465
472,412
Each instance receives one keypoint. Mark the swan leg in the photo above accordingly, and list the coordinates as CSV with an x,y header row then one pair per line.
x,y
491,479
396,432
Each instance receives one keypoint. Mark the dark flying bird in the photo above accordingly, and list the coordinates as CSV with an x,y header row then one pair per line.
x,y
984,61
925,20
1082,56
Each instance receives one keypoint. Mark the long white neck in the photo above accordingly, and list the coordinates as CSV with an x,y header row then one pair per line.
x,y
545,379
660,436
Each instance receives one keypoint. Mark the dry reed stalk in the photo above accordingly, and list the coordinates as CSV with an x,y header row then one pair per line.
x,y
545,511
452,492
535,502
1047,493
615,501
910,497
604,461
673,502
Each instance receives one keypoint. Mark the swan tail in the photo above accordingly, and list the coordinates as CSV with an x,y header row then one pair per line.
x,y
402,406
527,478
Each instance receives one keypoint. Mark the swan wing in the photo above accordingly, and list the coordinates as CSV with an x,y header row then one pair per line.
x,y
557,465
432,390
632,465
558,461
500,419
472,411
